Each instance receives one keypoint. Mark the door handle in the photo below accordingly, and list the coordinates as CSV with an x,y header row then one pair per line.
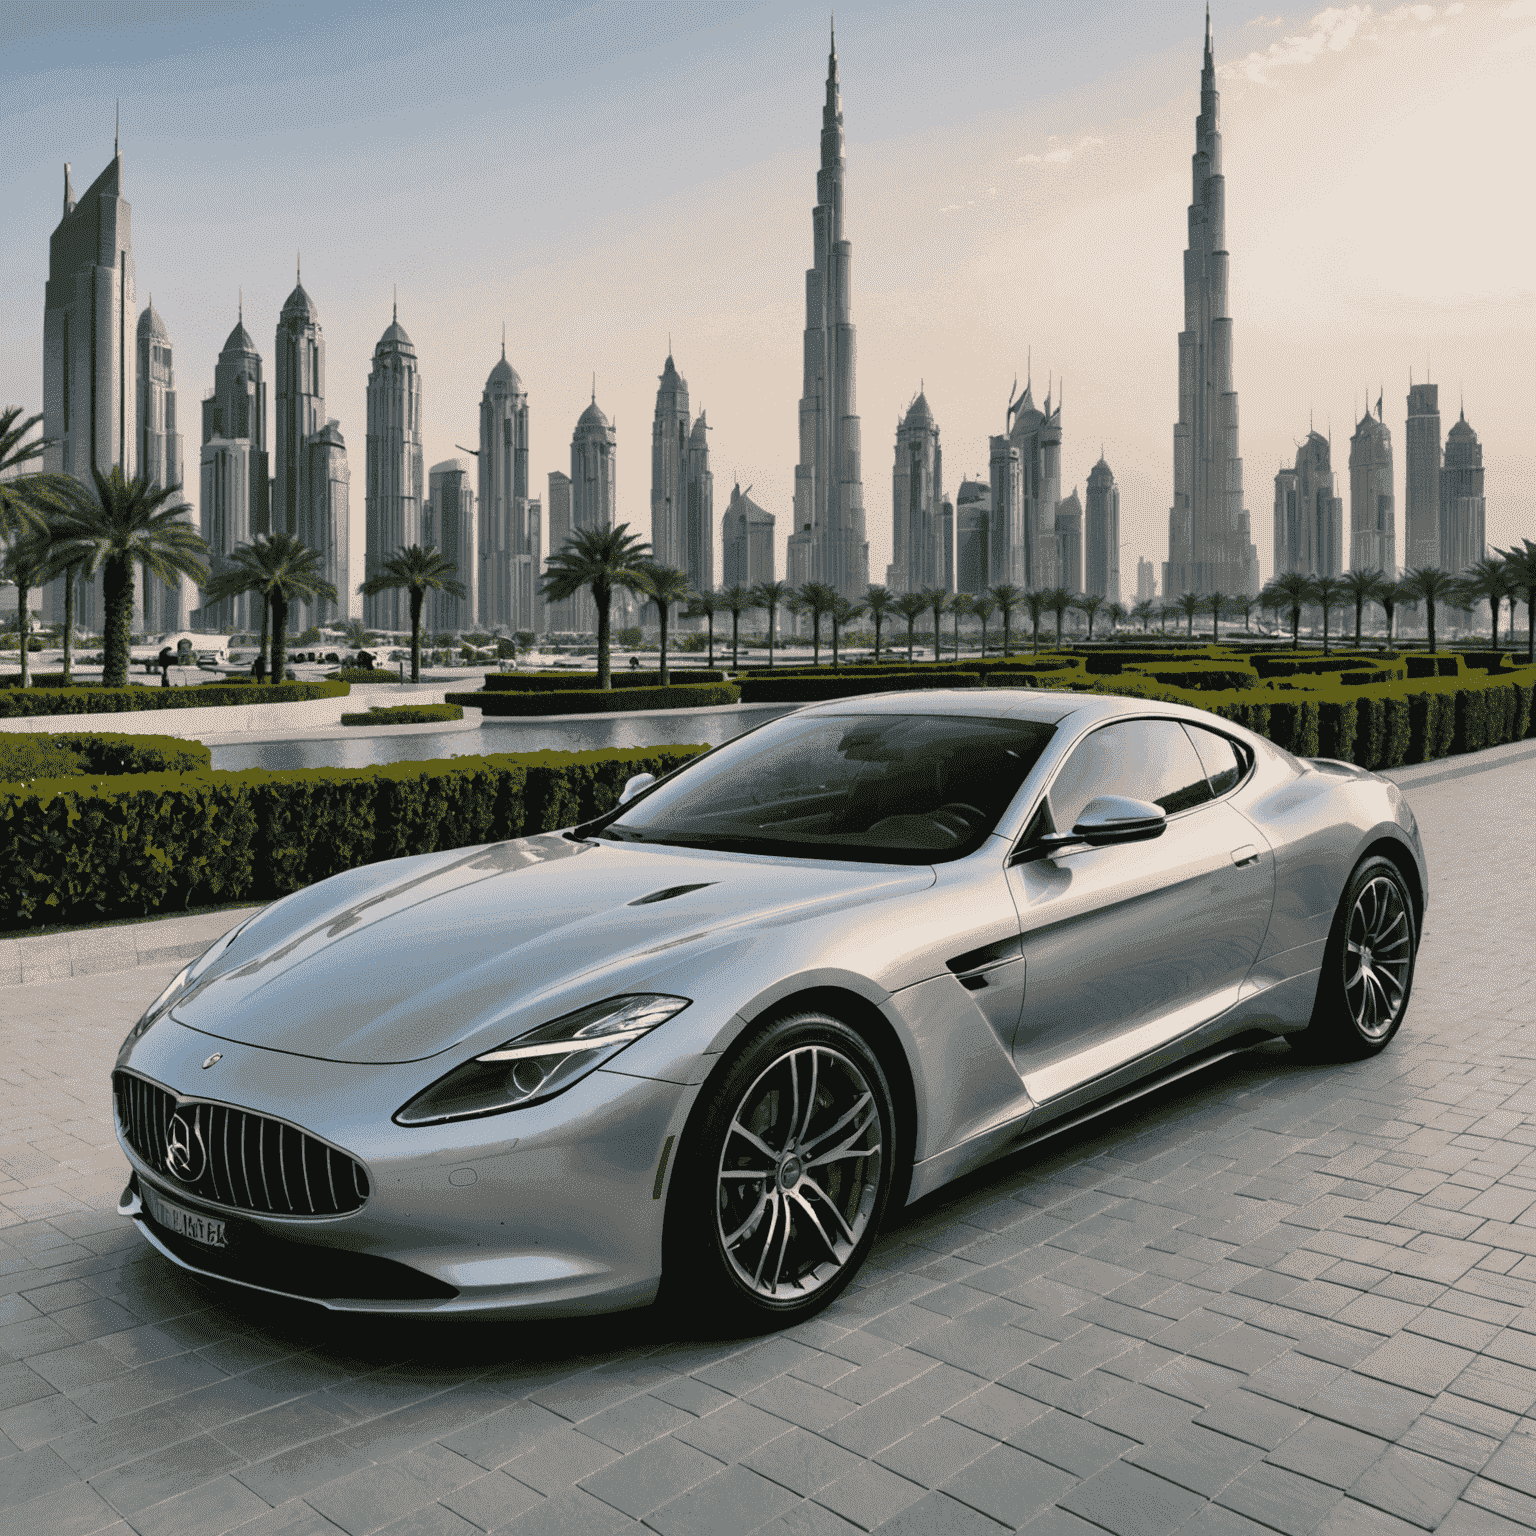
x,y
1247,854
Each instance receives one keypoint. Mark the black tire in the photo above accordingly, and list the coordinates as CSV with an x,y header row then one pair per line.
x,y
816,1217
1368,965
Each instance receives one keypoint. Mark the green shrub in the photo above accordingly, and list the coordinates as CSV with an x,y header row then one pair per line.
x,y
39,680
1293,725
1337,724
362,675
1370,732
1208,679
27,757
404,714
104,701
594,701
567,682
1436,665
100,753
804,690
75,850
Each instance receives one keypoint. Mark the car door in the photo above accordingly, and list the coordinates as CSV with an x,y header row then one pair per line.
x,y
1131,945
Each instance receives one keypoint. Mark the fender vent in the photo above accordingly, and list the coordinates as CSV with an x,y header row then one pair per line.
x,y
670,892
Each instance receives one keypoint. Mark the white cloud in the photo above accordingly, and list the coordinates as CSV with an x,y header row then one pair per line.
x,y
1518,10
1267,21
1334,29
1059,153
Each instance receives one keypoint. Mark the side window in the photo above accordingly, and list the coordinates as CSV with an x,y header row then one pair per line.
x,y
1222,759
1140,759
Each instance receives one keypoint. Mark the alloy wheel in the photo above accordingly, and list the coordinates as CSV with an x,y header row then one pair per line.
x,y
1377,953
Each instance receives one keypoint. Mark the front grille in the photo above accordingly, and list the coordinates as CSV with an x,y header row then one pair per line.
x,y
235,1157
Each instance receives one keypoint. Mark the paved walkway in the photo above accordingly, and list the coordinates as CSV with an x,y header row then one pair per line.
x,y
1275,1298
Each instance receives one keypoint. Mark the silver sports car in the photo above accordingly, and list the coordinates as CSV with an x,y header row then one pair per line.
x,y
697,1046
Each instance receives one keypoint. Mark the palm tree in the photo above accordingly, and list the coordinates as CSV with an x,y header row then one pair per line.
x,y
842,612
878,601
1361,586
1216,601
909,605
417,571
599,559
1390,595
983,607
1144,610
283,570
1290,590
27,566
960,604
816,598
664,585
771,595
1089,603
936,599
1430,585
1489,577
1521,565
1034,604
1244,605
1007,597
702,605
1189,604
356,634
1117,616
1329,591
26,499
734,600
127,524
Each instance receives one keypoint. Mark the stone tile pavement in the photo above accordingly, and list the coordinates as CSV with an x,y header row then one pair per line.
x,y
1275,1298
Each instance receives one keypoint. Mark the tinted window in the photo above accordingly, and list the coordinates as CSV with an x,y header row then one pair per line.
x,y
890,788
1222,760
1141,759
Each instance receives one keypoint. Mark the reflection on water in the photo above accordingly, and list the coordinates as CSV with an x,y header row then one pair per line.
x,y
711,726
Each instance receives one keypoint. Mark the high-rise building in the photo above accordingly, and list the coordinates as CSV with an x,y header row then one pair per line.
x,y
669,454
1309,513
559,617
698,562
237,408
511,555
90,395
1372,513
746,542
972,501
395,469
1209,543
1101,575
917,500
594,501
1421,478
1069,541
448,525
947,543
1462,508
1026,485
1146,581
310,478
167,606
829,544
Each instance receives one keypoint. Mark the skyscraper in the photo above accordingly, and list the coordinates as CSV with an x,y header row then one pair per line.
x,y
669,454
1209,544
829,542
1101,575
698,562
448,524
560,616
1421,478
972,501
1069,541
90,396
1462,508
166,607
511,522
1372,514
1309,513
395,470
1026,485
1146,581
594,492
917,499
746,542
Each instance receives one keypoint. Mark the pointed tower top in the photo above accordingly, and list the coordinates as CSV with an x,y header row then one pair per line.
x,y
503,340
240,304
396,315
298,267
69,191
594,389
117,122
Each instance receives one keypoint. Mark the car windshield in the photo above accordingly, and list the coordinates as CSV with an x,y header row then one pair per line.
x,y
902,789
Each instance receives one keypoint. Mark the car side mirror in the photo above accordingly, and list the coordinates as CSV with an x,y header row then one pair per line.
x,y
1109,819
633,786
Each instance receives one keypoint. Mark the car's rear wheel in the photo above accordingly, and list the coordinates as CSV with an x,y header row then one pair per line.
x,y
782,1178
1367,972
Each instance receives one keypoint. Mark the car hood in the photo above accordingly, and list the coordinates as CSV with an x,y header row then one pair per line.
x,y
399,961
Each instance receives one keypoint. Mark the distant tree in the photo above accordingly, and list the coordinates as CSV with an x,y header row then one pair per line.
x,y
960,604
1290,590
599,559
983,607
1117,616
27,566
879,600
1361,587
281,570
816,599
1489,578
771,595
1035,606
416,571
936,599
1008,597
1146,611
910,605
1391,596
702,605
842,612
1089,604
1329,592
27,497
1216,601
1189,604
666,586
1520,562
734,600
1430,585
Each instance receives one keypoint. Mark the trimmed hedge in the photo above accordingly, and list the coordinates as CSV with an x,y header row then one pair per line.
x,y
1209,679
108,701
597,701
362,675
74,850
99,753
27,757
404,714
805,690
566,682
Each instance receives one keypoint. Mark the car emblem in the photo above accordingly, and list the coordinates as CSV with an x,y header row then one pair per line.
x,y
217,1056
185,1154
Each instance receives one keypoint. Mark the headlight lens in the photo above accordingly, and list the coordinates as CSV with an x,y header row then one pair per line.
x,y
542,1063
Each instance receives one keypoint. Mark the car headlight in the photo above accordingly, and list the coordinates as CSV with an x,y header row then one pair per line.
x,y
542,1063
181,982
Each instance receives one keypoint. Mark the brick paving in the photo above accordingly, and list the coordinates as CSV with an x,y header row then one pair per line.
x,y
1277,1298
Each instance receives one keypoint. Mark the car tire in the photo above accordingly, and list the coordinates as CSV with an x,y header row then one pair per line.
x,y
781,1180
1368,965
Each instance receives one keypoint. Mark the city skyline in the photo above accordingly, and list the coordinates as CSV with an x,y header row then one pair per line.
x,y
898,261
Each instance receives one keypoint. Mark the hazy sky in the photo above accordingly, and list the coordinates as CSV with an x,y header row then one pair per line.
x,y
600,175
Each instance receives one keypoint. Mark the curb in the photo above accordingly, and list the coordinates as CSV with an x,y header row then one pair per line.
x,y
121,947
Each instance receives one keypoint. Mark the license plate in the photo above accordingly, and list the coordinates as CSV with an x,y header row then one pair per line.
x,y
184,1223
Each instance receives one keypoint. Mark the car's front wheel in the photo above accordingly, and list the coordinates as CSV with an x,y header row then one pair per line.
x,y
1368,964
782,1179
